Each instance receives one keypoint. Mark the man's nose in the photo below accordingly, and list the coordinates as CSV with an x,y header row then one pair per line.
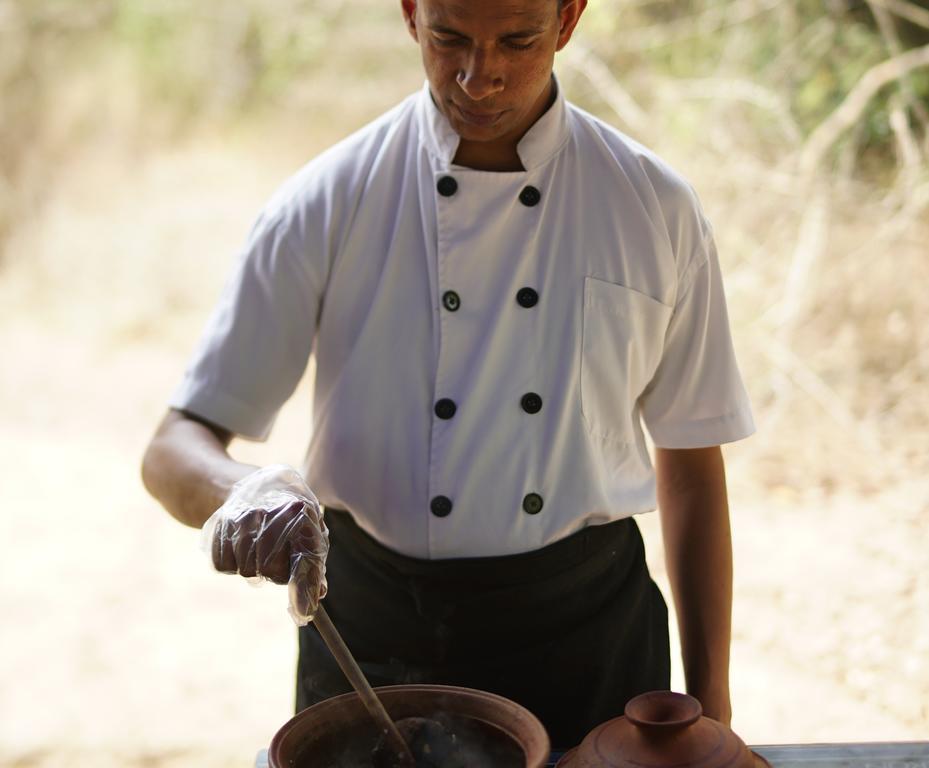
x,y
480,77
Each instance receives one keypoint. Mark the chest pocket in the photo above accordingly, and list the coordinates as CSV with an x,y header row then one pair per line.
x,y
623,336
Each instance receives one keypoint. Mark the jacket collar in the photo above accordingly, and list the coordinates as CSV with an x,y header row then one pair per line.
x,y
544,139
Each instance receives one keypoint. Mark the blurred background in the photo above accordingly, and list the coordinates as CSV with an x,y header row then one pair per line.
x,y
138,140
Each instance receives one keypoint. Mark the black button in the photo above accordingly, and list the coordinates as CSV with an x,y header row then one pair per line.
x,y
526,297
441,506
531,402
532,504
445,408
530,196
447,186
451,301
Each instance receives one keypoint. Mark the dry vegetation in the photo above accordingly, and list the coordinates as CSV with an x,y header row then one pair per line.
x,y
137,140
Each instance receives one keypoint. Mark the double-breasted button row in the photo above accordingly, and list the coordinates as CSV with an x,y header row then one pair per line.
x,y
527,298
529,196
441,506
531,402
446,407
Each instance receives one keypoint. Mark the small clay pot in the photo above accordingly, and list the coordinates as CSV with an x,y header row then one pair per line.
x,y
662,729
339,731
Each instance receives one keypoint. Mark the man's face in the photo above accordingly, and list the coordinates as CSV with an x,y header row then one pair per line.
x,y
489,62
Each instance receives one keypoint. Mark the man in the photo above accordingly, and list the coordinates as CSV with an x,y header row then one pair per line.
x,y
499,290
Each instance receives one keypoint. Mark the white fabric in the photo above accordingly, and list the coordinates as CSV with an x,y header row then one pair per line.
x,y
354,254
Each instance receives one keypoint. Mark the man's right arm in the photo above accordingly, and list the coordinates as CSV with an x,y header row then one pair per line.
x,y
188,469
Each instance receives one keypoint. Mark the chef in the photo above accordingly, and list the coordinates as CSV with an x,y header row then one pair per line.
x,y
502,294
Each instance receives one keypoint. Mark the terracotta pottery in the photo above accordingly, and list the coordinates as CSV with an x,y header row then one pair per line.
x,y
662,729
338,732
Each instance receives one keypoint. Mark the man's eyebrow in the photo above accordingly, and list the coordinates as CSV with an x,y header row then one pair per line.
x,y
444,30
528,32
521,33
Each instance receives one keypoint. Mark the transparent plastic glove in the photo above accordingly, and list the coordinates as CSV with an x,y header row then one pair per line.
x,y
271,529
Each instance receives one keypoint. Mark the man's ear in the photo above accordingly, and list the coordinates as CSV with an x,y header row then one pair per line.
x,y
409,16
571,11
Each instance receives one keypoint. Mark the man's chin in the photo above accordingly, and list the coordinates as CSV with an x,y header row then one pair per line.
x,y
471,132
478,126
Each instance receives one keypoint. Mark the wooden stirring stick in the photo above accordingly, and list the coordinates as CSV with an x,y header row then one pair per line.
x,y
356,677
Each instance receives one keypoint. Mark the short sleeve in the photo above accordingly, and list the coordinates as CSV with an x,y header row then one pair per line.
x,y
258,339
696,398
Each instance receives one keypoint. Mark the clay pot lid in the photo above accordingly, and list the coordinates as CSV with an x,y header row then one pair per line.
x,y
662,729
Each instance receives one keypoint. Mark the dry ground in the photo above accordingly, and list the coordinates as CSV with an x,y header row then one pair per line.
x,y
120,647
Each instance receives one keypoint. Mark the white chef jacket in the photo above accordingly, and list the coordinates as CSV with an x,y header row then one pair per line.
x,y
407,277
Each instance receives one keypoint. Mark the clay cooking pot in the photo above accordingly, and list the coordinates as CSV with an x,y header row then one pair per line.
x,y
662,729
339,732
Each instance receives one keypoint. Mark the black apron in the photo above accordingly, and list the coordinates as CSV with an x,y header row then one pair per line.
x,y
571,631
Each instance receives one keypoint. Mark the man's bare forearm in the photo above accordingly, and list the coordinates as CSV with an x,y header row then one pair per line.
x,y
187,468
698,549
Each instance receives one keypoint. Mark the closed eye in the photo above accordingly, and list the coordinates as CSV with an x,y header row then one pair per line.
x,y
446,40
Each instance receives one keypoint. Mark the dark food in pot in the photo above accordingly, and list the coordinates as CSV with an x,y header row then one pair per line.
x,y
433,745
440,741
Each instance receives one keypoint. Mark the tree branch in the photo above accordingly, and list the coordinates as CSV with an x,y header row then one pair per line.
x,y
608,87
906,10
849,111
716,17
736,89
885,23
